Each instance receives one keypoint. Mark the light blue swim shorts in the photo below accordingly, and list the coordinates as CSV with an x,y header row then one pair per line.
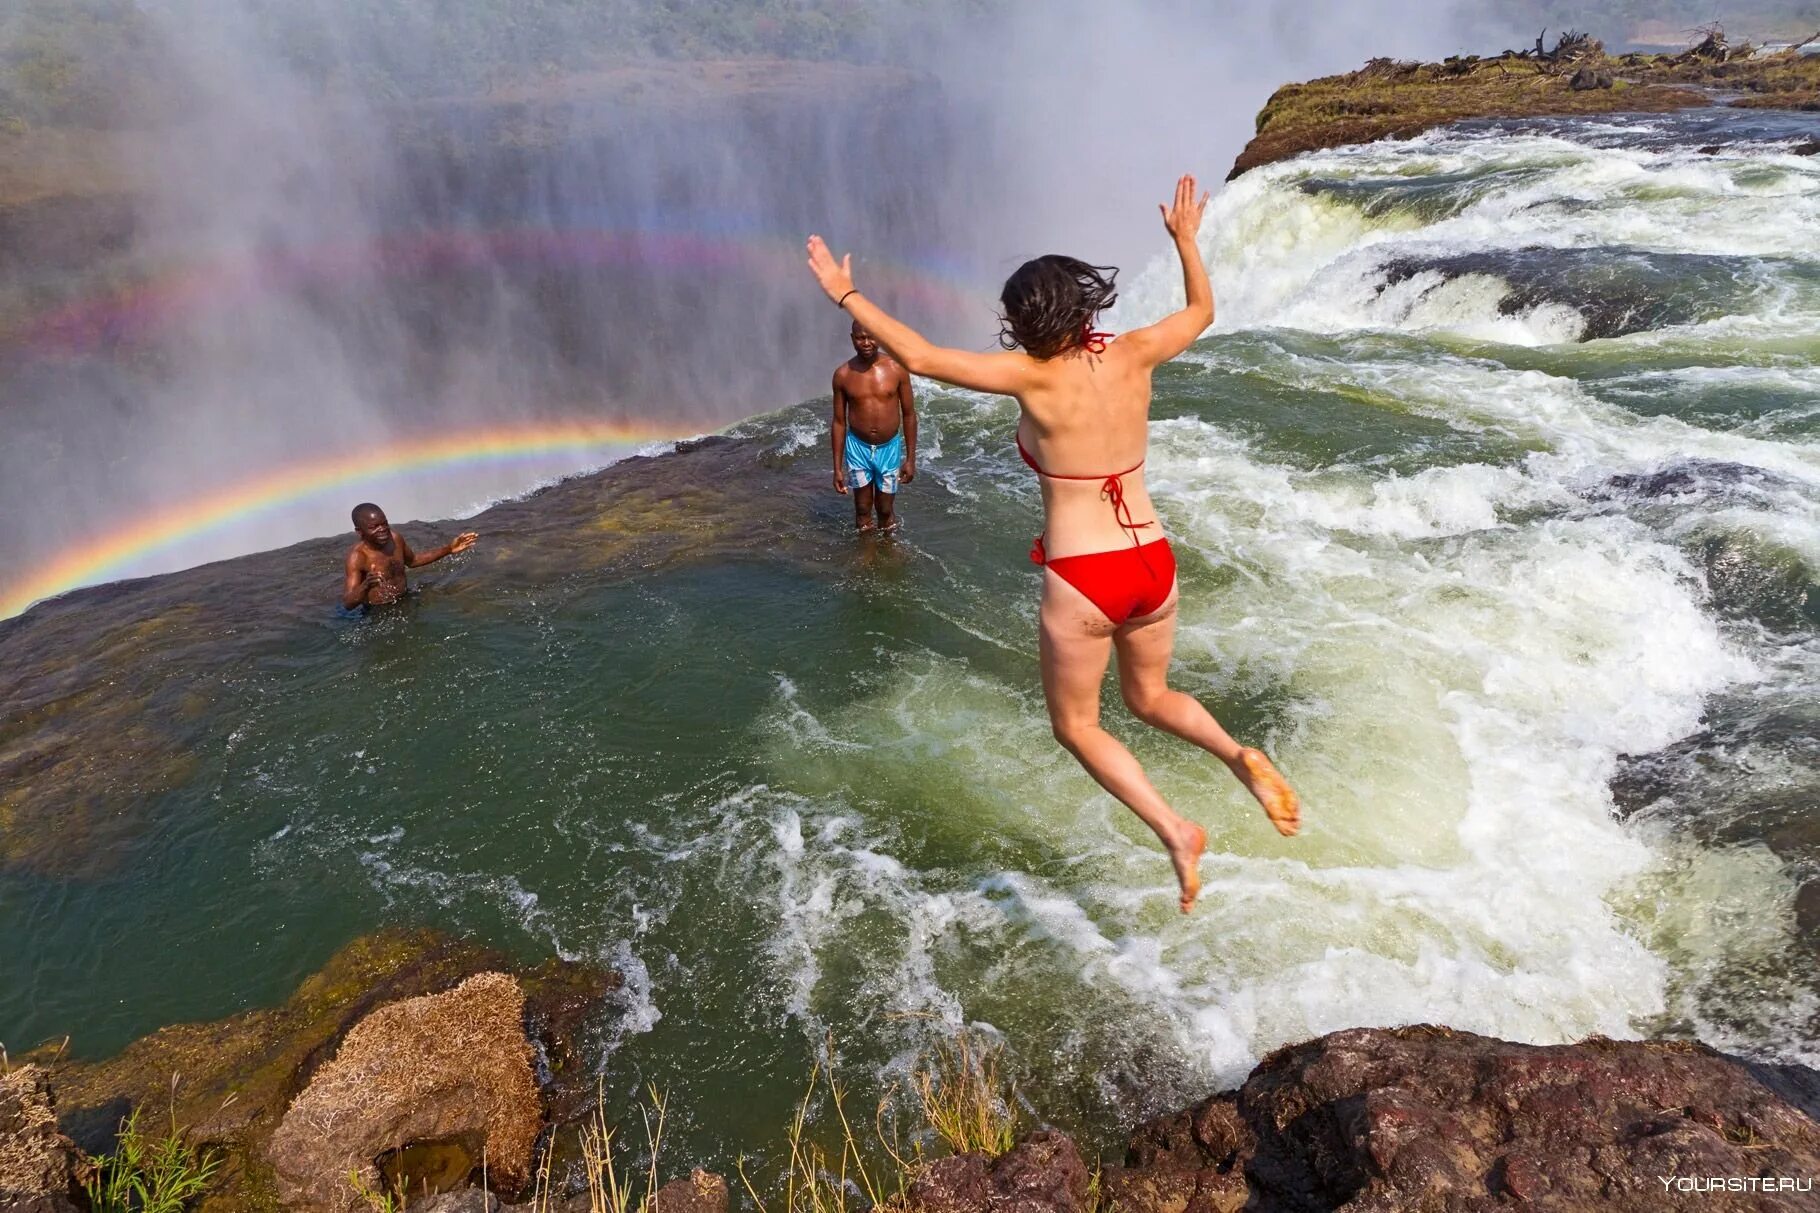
x,y
868,464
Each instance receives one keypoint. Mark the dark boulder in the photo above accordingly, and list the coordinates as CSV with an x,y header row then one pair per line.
x,y
701,1192
1432,1119
1692,478
1043,1173
1191,1160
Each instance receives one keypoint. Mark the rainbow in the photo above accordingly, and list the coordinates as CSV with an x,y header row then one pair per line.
x,y
104,557
110,313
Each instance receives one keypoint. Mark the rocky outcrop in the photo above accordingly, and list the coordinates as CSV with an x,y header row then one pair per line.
x,y
1043,1173
450,1071
1432,1119
40,1169
700,1192
1590,77
237,1077
1390,99
411,1091
1194,1159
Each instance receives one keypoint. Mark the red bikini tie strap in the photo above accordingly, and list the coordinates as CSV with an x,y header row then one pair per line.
x,y
1114,490
1092,339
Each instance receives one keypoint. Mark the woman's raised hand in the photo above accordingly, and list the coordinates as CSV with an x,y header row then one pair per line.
x,y
836,277
1182,218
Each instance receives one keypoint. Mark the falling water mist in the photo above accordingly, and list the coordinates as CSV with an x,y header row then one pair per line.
x,y
312,233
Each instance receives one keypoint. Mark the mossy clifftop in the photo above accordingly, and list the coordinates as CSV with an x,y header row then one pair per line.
x,y
1392,99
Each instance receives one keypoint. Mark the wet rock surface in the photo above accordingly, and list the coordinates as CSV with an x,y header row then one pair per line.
x,y
1367,1119
1694,477
1433,1119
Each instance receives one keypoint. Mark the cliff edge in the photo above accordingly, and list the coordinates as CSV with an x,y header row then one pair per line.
x,y
1394,99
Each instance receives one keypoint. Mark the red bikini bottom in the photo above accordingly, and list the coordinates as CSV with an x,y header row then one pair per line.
x,y
1126,583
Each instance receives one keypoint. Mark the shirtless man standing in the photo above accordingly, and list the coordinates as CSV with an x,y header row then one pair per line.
x,y
376,565
871,391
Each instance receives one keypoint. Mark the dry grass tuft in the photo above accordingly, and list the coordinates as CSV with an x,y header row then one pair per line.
x,y
609,1188
961,1097
965,1100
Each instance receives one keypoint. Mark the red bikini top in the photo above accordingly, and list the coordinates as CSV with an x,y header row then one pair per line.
x,y
1112,487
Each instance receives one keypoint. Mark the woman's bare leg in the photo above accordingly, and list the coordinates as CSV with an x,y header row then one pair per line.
x,y
1075,640
1145,647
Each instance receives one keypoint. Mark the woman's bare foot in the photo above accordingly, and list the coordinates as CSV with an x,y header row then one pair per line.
x,y
1185,853
1264,781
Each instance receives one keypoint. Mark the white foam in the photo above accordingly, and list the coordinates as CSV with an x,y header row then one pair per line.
x,y
1460,656
1280,255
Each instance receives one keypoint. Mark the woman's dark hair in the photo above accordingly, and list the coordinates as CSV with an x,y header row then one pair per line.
x,y
1050,303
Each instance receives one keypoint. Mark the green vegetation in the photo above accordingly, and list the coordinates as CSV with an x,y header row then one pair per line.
x,y
150,1175
378,1202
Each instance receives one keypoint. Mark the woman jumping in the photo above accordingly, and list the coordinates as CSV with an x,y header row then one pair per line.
x,y
1109,579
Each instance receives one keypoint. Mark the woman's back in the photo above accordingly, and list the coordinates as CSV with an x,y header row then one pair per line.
x,y
1085,420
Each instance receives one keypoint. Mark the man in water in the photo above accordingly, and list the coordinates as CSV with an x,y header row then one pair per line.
x,y
376,565
871,393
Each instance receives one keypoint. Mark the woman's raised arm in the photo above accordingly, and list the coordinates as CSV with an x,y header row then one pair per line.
x,y
1005,373
1172,334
